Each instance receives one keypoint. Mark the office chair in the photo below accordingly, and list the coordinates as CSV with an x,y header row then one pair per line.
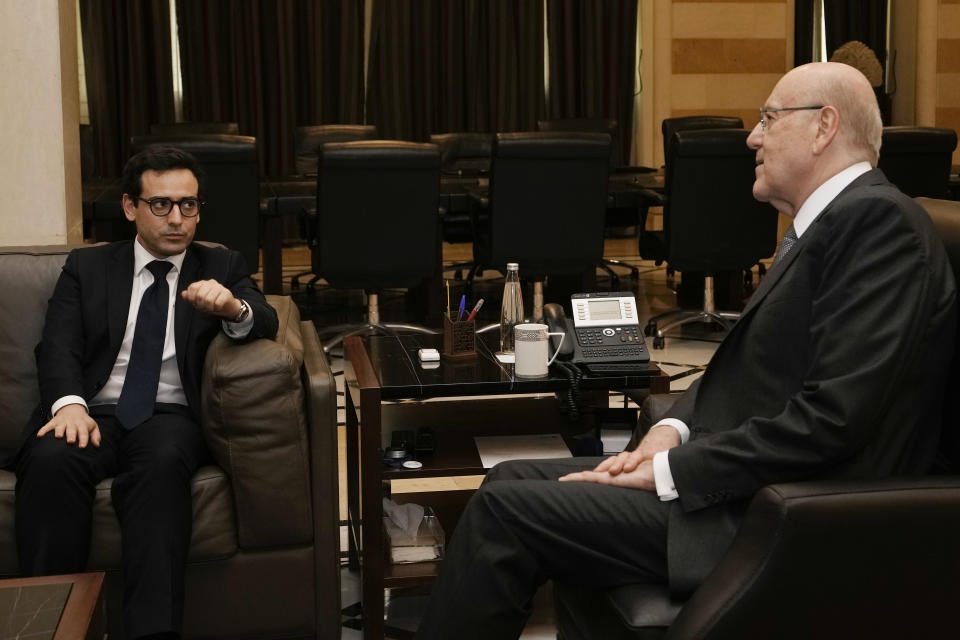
x,y
230,214
193,128
712,222
548,196
615,217
377,223
917,159
653,243
310,139
823,559
308,142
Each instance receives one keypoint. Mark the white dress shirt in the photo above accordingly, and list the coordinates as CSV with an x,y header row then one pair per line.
x,y
170,387
812,207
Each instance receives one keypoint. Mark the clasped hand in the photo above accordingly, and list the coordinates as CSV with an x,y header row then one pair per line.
x,y
632,469
209,296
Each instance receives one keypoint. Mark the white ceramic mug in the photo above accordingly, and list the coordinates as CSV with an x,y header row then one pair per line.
x,y
530,346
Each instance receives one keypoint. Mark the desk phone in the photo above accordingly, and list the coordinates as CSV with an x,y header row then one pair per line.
x,y
604,329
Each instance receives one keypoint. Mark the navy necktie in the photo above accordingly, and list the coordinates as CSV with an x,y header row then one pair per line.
x,y
789,239
139,393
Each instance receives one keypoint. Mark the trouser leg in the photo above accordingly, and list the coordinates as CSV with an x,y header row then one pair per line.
x,y
523,527
151,496
54,497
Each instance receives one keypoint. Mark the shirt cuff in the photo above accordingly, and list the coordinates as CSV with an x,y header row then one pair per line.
x,y
64,401
239,330
663,478
677,424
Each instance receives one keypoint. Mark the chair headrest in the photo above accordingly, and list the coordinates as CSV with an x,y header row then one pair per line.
x,y
917,140
220,148
379,154
553,145
711,142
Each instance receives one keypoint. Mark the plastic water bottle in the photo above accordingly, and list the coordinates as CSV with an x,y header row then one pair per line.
x,y
511,309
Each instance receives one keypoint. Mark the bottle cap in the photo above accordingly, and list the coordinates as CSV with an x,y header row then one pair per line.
x,y
512,266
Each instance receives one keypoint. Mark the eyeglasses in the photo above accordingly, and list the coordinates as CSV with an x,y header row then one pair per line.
x,y
764,123
162,206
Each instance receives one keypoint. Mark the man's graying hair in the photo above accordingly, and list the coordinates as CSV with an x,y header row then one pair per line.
x,y
158,158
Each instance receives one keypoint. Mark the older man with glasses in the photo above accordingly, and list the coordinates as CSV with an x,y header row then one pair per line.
x,y
119,368
836,369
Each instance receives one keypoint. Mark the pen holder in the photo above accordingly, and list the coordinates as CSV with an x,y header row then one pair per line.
x,y
459,339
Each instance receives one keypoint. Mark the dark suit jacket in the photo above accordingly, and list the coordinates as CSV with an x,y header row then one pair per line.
x,y
836,369
88,311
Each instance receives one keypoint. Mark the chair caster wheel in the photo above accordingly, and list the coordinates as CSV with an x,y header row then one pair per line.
x,y
658,342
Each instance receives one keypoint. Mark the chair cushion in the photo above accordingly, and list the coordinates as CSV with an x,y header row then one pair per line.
x,y
214,522
632,612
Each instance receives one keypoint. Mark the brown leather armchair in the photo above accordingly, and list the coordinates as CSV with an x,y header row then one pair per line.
x,y
824,559
264,554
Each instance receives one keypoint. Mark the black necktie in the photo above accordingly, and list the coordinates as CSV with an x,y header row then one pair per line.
x,y
139,393
789,239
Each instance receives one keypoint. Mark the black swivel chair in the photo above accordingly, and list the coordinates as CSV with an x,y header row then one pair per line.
x,y
377,224
464,153
230,214
194,128
712,223
917,159
548,195
618,217
824,559
653,243
310,139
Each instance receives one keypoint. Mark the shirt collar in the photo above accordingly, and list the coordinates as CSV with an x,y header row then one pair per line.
x,y
824,195
142,257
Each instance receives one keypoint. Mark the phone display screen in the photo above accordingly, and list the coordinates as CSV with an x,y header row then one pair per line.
x,y
604,309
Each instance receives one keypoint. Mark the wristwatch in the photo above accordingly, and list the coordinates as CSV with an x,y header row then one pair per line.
x,y
243,313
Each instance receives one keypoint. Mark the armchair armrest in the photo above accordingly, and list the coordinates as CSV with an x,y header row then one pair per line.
x,y
255,424
876,558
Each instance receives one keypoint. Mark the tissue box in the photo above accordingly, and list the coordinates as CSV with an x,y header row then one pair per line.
x,y
427,545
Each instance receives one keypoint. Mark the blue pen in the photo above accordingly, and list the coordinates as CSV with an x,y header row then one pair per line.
x,y
463,306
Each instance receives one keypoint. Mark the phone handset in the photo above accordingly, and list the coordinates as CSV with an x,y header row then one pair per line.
x,y
557,321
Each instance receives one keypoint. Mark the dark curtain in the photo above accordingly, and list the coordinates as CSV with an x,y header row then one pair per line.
x,y
271,66
126,50
592,56
455,65
802,32
863,20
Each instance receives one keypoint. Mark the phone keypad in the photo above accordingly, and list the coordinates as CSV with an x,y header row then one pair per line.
x,y
610,342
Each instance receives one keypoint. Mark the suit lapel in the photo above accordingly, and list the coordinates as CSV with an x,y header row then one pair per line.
x,y
183,312
874,176
119,277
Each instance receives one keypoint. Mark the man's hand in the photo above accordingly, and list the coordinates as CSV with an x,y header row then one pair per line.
x,y
209,296
657,439
639,478
73,421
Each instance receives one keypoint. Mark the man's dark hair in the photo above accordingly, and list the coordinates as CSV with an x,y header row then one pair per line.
x,y
158,158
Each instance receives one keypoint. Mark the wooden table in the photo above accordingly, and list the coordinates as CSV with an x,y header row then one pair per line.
x,y
66,607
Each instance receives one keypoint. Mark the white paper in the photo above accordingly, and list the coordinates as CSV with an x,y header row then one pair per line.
x,y
494,449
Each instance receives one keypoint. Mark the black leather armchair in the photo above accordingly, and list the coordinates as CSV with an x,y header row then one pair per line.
x,y
826,559
377,224
653,245
917,159
712,223
548,194
230,214
590,125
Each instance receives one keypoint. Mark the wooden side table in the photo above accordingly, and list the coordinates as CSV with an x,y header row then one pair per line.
x,y
65,607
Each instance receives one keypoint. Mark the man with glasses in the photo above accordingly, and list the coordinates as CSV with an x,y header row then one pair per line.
x,y
119,368
836,369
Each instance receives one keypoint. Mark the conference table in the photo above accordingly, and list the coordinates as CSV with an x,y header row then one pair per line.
x,y
288,197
